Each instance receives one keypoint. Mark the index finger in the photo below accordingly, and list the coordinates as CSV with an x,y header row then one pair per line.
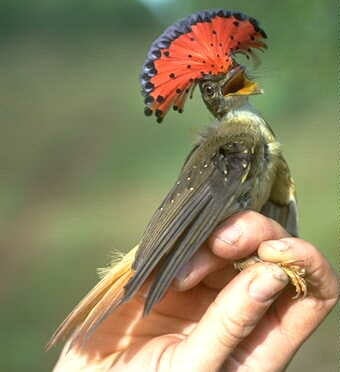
x,y
242,234
238,237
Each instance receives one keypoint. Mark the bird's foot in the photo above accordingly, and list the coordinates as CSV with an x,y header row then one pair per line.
x,y
295,273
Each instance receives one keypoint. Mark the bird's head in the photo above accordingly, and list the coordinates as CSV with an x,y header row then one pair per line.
x,y
200,50
225,92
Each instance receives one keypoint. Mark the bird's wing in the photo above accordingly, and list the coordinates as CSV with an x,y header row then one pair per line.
x,y
206,191
282,205
284,214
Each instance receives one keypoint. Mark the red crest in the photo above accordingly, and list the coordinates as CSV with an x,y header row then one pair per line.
x,y
202,44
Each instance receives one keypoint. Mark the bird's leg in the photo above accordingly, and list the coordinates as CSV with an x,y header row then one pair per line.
x,y
295,273
246,262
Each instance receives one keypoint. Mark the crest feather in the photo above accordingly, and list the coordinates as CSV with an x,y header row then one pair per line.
x,y
203,43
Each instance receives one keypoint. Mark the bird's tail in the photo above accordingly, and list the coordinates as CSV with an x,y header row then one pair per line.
x,y
98,303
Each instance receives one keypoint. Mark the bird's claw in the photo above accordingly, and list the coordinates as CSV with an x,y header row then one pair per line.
x,y
295,273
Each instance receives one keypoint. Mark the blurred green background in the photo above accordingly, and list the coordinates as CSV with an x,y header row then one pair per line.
x,y
82,169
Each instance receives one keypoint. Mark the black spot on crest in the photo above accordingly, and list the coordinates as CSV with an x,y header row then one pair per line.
x,y
147,111
239,16
263,34
148,87
158,113
145,78
149,65
155,53
148,100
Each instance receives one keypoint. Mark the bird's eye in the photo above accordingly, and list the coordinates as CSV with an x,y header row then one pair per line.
x,y
209,90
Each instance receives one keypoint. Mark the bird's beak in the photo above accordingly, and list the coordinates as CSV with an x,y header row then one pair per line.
x,y
238,84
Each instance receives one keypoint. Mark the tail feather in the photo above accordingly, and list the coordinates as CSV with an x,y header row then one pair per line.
x,y
98,303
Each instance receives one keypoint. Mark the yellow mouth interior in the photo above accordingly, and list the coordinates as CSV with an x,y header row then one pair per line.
x,y
239,84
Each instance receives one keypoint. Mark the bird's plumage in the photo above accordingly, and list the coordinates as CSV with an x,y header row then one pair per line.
x,y
236,165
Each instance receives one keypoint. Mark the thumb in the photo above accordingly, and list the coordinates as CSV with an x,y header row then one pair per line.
x,y
230,318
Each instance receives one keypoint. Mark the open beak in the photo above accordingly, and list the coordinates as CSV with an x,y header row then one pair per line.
x,y
238,84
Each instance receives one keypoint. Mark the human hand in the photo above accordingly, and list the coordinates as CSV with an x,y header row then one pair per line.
x,y
215,318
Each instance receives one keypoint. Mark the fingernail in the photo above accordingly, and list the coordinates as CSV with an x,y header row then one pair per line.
x,y
230,234
268,283
278,245
184,272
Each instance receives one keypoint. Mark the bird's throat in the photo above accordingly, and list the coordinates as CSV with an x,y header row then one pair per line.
x,y
224,105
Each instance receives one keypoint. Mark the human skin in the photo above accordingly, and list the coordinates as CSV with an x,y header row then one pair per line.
x,y
215,318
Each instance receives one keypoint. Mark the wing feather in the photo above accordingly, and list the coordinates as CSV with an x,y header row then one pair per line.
x,y
197,233
180,227
181,253
285,214
156,250
282,205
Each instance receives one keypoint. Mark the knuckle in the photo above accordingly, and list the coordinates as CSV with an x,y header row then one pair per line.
x,y
317,269
265,227
252,216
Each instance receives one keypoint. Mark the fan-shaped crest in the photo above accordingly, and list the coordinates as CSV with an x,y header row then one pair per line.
x,y
201,44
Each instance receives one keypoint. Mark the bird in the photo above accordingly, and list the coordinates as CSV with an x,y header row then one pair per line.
x,y
236,164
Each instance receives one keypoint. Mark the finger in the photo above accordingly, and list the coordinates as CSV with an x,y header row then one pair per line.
x,y
290,322
203,263
242,233
238,237
231,317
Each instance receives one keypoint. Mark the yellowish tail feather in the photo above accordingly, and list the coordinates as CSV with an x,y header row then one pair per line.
x,y
96,305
